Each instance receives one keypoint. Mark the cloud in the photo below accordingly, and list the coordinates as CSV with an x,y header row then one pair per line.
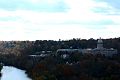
x,y
54,19
112,3
110,7
35,5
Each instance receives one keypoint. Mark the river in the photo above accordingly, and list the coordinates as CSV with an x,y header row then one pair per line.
x,y
12,73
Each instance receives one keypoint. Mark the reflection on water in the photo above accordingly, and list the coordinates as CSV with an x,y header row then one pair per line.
x,y
12,73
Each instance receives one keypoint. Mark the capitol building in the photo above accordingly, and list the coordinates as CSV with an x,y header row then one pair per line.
x,y
98,50
101,50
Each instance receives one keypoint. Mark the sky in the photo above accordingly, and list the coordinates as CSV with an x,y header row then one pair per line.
x,y
59,19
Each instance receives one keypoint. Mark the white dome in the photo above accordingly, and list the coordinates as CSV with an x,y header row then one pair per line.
x,y
100,41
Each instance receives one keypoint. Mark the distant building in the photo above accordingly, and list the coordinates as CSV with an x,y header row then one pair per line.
x,y
64,53
99,50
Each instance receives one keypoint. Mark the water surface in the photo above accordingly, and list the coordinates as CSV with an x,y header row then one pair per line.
x,y
12,73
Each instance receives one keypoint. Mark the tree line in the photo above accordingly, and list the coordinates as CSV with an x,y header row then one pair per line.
x,y
53,67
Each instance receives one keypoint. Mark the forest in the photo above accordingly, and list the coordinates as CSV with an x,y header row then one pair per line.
x,y
76,67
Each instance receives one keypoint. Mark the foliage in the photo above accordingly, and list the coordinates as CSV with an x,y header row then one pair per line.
x,y
53,67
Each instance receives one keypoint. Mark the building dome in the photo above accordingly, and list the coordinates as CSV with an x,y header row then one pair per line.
x,y
100,41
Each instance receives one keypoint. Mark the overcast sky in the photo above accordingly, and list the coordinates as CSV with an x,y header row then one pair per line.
x,y
59,19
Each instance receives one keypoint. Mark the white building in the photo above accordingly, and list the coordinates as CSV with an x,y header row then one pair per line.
x,y
99,50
